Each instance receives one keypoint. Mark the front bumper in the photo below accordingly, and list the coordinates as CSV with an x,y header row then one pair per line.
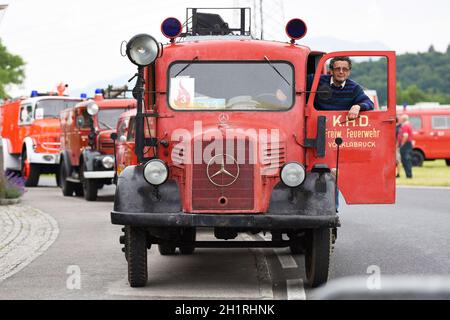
x,y
98,174
258,221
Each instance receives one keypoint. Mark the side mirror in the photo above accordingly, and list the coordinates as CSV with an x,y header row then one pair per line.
x,y
114,136
80,121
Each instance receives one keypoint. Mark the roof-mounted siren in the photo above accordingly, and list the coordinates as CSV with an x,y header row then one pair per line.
x,y
171,28
296,29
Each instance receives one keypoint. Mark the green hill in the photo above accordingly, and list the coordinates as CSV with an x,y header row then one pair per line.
x,y
420,77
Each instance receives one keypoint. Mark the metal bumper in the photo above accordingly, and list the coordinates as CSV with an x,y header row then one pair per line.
x,y
98,174
258,221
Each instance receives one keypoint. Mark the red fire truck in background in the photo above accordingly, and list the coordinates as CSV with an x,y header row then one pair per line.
x,y
87,150
228,137
431,132
125,155
31,132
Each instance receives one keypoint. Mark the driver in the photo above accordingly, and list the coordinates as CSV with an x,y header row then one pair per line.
x,y
346,94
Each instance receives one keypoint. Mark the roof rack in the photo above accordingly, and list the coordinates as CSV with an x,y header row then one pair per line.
x,y
209,23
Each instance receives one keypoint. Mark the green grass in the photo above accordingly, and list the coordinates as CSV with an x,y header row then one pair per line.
x,y
433,173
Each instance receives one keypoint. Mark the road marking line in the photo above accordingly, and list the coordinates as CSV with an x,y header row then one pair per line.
x,y
295,289
286,260
263,271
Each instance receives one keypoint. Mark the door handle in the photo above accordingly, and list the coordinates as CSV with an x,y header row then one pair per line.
x,y
389,120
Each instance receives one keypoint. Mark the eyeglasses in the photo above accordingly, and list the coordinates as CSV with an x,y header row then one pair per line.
x,y
338,69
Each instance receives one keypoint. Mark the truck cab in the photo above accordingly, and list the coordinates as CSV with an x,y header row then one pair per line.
x,y
228,137
87,151
30,134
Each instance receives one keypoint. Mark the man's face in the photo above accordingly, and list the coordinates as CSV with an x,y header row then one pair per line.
x,y
340,71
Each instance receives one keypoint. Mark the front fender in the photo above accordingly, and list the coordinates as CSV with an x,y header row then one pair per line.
x,y
88,157
135,195
314,197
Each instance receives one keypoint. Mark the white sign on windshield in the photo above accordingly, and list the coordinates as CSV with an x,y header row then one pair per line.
x,y
39,114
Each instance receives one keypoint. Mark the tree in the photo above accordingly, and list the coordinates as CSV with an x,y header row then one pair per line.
x,y
11,70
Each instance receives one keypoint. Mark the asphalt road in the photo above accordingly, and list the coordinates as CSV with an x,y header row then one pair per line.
x,y
408,238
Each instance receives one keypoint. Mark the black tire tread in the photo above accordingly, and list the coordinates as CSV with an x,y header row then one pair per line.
x,y
136,256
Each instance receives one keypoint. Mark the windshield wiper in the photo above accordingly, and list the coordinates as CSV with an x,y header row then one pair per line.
x,y
186,66
276,70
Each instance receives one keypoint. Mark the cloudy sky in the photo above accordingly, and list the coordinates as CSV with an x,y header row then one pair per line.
x,y
78,42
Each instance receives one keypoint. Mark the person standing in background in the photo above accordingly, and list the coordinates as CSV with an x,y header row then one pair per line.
x,y
397,148
405,144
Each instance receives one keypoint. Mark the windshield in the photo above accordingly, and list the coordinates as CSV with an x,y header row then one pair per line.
x,y
53,107
107,118
237,85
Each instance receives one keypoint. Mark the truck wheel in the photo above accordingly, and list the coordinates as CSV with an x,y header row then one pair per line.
x,y
79,192
189,235
30,171
317,256
447,162
166,249
417,158
136,244
89,188
67,187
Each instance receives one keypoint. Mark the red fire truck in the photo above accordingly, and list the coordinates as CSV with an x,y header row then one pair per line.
x,y
30,134
125,155
87,150
227,137
431,133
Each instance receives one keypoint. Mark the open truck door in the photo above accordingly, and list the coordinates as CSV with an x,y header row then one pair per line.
x,y
366,169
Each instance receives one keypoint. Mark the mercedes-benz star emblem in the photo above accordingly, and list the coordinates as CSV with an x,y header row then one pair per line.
x,y
216,176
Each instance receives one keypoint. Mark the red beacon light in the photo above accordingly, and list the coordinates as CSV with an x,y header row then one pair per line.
x,y
171,28
296,29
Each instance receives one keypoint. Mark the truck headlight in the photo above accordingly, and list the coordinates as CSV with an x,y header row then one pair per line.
x,y
156,172
142,49
92,108
108,162
292,174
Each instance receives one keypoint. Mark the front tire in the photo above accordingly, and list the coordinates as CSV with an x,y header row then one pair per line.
x,y
30,171
317,256
417,158
447,162
67,187
136,251
90,189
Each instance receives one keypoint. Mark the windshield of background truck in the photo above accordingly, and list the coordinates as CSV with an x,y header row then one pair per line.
x,y
237,85
107,118
53,107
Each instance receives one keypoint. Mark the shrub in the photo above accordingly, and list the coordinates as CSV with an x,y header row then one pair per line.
x,y
12,186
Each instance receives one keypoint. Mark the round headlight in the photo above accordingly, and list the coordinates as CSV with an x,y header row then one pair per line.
x,y
108,162
92,108
292,174
156,172
142,49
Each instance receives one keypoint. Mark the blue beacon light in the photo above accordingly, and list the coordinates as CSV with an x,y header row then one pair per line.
x,y
171,28
34,93
83,96
98,91
296,29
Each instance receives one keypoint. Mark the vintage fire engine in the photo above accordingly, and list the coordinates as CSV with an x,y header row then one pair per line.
x,y
125,155
31,132
228,138
87,150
